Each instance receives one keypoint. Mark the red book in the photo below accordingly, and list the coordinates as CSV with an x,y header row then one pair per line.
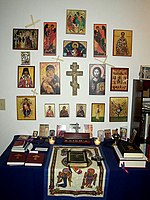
x,y
16,158
19,143
35,159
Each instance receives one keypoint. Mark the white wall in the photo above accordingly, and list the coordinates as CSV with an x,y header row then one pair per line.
x,y
117,14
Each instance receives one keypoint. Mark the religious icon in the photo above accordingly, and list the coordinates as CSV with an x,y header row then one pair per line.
x,y
64,110
76,21
118,109
49,110
97,79
26,76
25,39
119,79
100,40
80,110
98,112
74,48
25,58
44,130
26,107
145,72
122,43
50,38
50,77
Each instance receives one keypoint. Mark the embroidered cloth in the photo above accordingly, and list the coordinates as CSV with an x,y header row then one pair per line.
x,y
75,181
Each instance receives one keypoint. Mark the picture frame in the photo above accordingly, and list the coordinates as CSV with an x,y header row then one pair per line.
x,y
49,110
26,107
122,43
107,134
35,134
44,130
97,79
25,39
49,78
60,130
80,110
145,72
118,109
97,112
64,110
50,39
26,77
99,40
88,128
75,21
123,133
25,58
119,79
74,48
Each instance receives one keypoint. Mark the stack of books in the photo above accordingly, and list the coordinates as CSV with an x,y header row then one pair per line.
x,y
20,146
129,155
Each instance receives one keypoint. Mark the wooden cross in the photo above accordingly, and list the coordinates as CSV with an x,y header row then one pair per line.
x,y
74,73
33,22
76,127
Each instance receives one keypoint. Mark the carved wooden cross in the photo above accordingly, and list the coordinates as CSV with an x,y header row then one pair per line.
x,y
76,127
74,73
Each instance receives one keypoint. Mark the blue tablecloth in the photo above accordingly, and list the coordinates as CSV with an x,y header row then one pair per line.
x,y
30,183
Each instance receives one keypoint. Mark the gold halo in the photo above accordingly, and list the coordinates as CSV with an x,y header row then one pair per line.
x,y
74,44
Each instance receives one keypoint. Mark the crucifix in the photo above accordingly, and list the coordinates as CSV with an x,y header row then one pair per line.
x,y
74,73
76,127
33,22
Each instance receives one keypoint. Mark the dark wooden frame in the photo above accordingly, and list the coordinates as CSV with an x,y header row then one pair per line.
x,y
25,39
119,79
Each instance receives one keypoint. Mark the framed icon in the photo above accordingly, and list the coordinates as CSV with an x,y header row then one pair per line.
x,y
50,78
118,109
26,107
145,72
122,42
76,21
97,79
50,38
26,76
74,48
25,39
100,40
80,110
25,58
49,110
97,112
119,79
64,110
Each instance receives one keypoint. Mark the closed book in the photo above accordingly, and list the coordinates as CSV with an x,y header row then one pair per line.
x,y
130,162
129,149
16,158
77,158
35,159
19,143
23,137
20,149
